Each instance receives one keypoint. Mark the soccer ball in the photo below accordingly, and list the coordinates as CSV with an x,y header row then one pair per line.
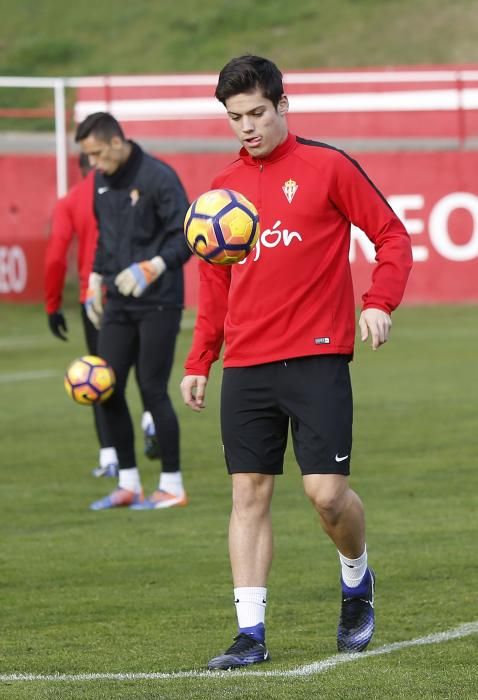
x,y
89,380
222,227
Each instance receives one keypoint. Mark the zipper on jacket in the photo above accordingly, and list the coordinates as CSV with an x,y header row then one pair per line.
x,y
261,168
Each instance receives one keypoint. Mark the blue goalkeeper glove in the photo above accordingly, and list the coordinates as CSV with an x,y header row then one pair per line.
x,y
94,299
136,278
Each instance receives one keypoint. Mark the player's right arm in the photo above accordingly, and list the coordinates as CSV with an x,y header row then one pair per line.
x,y
193,391
62,232
208,336
61,235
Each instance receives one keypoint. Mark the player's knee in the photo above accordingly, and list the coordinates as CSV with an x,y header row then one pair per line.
x,y
251,493
329,500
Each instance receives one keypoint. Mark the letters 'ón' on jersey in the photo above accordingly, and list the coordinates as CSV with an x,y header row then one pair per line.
x,y
293,295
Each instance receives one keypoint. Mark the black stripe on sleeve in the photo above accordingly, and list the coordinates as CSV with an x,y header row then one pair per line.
x,y
319,144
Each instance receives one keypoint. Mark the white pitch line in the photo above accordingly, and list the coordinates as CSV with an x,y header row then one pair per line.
x,y
308,670
28,376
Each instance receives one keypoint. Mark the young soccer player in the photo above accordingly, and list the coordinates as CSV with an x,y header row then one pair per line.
x,y
287,319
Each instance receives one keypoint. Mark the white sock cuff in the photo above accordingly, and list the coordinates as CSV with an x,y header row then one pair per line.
x,y
250,605
172,482
129,480
250,594
360,561
146,420
353,570
108,456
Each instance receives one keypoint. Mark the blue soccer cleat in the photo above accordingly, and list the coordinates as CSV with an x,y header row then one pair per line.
x,y
245,651
357,616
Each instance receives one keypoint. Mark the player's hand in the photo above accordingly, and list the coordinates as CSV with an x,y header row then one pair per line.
x,y
193,390
94,299
376,322
57,324
138,276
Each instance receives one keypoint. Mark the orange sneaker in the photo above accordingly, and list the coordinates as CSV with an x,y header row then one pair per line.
x,y
117,499
161,499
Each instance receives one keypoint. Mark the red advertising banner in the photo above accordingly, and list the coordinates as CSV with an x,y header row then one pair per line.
x,y
434,193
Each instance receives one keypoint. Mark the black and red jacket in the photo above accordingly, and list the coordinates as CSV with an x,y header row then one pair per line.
x,y
293,294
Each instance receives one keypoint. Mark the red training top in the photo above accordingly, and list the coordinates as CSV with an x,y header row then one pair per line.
x,y
73,214
293,296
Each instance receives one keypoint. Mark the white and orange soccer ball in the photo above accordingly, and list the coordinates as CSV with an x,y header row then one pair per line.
x,y
222,227
89,380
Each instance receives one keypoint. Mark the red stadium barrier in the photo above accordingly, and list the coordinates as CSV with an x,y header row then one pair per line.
x,y
414,130
406,103
436,194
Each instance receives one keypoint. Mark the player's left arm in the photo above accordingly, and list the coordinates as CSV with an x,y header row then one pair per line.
x,y
61,236
377,324
364,205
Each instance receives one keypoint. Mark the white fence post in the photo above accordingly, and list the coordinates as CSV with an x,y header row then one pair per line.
x,y
60,138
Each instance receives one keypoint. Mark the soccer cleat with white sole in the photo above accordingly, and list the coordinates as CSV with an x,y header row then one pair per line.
x,y
245,651
357,616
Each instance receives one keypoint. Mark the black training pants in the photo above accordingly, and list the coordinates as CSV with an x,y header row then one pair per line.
x,y
146,338
91,338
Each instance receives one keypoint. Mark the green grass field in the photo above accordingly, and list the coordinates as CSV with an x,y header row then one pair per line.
x,y
121,592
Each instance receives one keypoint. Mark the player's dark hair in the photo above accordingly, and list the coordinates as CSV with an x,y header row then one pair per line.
x,y
248,73
84,162
102,125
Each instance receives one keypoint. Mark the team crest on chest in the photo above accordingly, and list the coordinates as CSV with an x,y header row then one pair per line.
x,y
134,196
289,188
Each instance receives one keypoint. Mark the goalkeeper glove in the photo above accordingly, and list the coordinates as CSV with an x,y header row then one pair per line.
x,y
57,324
138,276
94,300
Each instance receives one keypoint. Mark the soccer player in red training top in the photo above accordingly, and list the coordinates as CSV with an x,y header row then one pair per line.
x,y
73,217
287,318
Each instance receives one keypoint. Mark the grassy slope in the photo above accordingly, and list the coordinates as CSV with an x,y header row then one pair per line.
x,y
145,36
69,575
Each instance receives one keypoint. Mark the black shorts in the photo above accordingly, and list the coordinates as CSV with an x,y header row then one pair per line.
x,y
313,394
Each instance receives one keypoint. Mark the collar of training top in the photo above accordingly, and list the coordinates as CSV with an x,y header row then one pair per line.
x,y
125,175
279,152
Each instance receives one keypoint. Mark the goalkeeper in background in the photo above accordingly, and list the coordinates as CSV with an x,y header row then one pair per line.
x,y
140,205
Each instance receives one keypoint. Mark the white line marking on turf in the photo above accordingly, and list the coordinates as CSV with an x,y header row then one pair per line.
x,y
28,376
308,670
17,342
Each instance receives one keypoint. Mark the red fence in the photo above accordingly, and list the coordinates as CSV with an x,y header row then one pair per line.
x,y
410,102
436,195
421,123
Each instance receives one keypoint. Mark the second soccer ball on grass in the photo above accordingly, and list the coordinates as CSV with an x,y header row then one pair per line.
x,y
89,380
